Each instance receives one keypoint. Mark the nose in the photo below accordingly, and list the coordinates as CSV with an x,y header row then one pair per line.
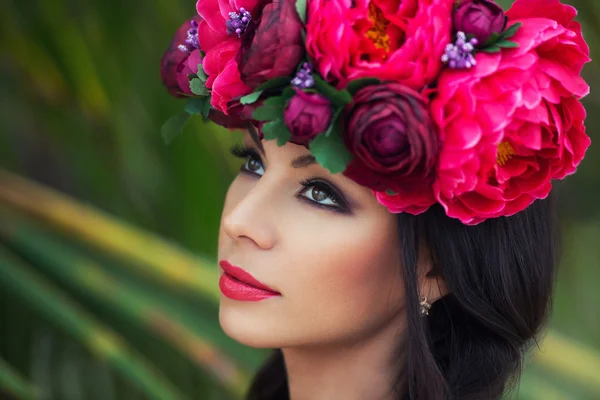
x,y
251,216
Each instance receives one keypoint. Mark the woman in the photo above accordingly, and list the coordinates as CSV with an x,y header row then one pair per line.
x,y
389,232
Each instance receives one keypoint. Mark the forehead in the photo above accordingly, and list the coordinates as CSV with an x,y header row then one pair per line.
x,y
276,153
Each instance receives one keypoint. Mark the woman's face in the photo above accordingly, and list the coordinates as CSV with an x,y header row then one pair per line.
x,y
320,240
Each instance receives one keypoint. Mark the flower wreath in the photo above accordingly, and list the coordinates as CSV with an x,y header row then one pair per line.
x,y
422,101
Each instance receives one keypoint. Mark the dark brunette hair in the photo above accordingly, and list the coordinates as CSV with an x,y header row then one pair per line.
x,y
500,277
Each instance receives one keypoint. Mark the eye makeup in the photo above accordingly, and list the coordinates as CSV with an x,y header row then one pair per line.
x,y
331,192
320,185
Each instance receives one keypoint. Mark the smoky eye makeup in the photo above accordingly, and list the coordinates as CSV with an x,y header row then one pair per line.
x,y
317,192
324,194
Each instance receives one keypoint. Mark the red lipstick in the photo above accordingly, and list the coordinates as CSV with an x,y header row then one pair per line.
x,y
238,284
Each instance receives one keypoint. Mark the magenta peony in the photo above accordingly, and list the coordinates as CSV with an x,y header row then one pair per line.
x,y
307,115
479,18
392,40
221,46
394,144
181,59
274,47
514,122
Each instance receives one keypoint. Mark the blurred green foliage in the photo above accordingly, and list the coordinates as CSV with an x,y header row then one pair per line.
x,y
94,304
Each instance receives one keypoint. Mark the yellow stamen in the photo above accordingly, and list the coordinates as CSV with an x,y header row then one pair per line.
x,y
505,153
377,34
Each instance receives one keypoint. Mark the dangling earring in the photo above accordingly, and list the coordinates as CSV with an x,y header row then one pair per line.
x,y
425,306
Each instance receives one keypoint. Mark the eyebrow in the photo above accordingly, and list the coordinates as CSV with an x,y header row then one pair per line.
x,y
299,162
303,161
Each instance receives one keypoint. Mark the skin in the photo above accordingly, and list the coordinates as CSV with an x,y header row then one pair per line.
x,y
340,321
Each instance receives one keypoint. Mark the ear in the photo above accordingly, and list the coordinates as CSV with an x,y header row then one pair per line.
x,y
431,282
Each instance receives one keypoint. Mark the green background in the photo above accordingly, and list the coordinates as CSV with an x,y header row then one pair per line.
x,y
86,312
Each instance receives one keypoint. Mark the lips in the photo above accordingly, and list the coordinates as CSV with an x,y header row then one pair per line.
x,y
238,284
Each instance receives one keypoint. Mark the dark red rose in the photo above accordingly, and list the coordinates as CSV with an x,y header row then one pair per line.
x,y
273,46
479,18
179,59
393,140
307,115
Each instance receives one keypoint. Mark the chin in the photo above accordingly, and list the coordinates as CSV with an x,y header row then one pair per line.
x,y
249,324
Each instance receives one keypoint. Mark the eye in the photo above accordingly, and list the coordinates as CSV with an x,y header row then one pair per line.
x,y
253,163
319,196
322,194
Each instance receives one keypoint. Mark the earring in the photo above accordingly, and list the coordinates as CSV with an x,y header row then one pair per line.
x,y
425,306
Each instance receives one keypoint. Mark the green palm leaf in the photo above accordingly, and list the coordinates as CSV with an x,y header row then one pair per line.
x,y
15,384
21,280
148,254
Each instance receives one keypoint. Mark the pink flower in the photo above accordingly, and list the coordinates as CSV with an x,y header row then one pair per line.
x,y
189,67
239,115
414,203
181,59
562,14
307,115
221,49
479,18
399,40
274,47
395,146
514,122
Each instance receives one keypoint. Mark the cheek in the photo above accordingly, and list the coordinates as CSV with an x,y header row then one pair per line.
x,y
347,279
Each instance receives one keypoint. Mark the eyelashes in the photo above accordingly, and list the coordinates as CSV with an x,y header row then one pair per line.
x,y
317,192
241,151
253,162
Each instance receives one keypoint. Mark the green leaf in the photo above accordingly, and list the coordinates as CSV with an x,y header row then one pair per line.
x,y
390,192
356,85
335,122
251,98
493,38
201,74
507,44
195,105
510,31
339,98
301,9
271,109
490,49
274,83
206,109
198,87
174,126
287,95
276,130
330,152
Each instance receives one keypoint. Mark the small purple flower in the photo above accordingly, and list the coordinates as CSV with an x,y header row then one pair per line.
x,y
304,78
459,55
191,42
238,22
